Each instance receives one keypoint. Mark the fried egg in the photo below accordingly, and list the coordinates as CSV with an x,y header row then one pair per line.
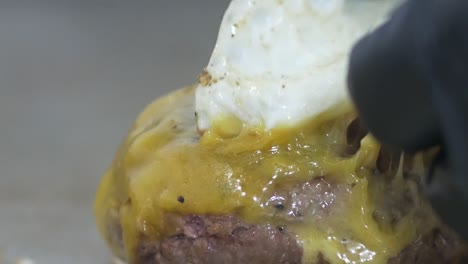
x,y
280,62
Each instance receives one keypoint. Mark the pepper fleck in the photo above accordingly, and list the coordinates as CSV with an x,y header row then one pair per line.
x,y
280,228
279,206
180,199
205,78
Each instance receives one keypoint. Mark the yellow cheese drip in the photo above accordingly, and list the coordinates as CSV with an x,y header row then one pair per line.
x,y
233,169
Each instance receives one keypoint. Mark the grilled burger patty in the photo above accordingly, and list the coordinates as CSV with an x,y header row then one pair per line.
x,y
324,192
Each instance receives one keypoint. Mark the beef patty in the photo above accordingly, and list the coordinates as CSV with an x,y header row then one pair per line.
x,y
204,239
225,239
317,199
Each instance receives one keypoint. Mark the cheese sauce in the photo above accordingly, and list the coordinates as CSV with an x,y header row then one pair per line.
x,y
236,169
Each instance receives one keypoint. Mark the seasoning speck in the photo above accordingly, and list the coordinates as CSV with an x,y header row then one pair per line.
x,y
205,78
180,199
279,206
280,228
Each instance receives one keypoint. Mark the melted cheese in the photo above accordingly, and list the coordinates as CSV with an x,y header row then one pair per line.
x,y
236,173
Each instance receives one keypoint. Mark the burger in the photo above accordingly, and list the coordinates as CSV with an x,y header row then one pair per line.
x,y
266,161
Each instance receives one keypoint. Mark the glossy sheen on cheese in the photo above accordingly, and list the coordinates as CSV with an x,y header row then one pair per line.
x,y
164,158
280,62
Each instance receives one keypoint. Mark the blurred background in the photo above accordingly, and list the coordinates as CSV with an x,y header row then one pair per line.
x,y
73,77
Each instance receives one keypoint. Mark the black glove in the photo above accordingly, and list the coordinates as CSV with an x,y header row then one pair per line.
x,y
409,82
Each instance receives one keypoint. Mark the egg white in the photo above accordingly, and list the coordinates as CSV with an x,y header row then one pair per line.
x,y
278,62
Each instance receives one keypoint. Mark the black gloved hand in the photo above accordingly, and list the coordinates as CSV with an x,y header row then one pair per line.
x,y
409,81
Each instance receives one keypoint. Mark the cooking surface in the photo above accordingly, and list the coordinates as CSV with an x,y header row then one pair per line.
x,y
73,76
